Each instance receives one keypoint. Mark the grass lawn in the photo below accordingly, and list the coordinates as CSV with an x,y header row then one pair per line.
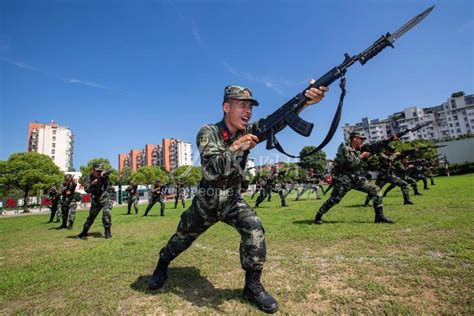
x,y
423,264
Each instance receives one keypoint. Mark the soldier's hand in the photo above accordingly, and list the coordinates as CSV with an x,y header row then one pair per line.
x,y
364,155
315,94
94,181
245,142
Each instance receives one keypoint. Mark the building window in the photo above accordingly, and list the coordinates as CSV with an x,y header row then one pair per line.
x,y
54,138
450,125
453,104
458,130
54,132
53,151
54,145
52,157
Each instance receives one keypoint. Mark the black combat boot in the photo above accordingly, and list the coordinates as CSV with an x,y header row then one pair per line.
x,y
159,276
107,234
317,219
71,225
367,201
255,293
380,218
63,225
406,199
83,234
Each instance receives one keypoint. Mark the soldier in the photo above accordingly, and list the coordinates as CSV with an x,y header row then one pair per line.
x,y
68,202
179,194
98,185
348,175
258,187
54,196
401,172
386,174
224,148
311,182
132,197
157,194
270,186
417,172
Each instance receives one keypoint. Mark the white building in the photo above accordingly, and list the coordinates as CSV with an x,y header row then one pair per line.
x,y
448,120
183,155
250,166
54,141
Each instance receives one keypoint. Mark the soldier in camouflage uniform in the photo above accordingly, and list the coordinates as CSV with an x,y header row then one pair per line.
x,y
401,172
97,184
157,194
68,202
387,174
179,194
270,186
417,172
258,187
132,197
313,183
224,148
348,175
54,196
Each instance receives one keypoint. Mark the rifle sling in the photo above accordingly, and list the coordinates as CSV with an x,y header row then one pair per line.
x,y
332,129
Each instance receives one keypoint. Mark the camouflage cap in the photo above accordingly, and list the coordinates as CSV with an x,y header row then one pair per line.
x,y
357,134
98,166
239,93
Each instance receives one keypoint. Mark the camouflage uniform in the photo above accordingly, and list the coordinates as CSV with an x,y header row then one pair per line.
x,y
270,186
386,174
132,197
68,203
313,183
179,194
417,172
347,175
218,198
156,195
400,171
54,196
102,195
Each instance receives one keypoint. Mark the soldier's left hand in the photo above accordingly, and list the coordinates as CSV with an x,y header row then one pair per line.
x,y
315,94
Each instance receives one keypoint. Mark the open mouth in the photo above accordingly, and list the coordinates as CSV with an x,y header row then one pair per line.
x,y
245,119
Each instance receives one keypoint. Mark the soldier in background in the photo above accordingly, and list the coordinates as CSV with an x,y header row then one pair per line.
x,y
54,195
269,186
387,174
417,172
179,194
157,194
132,197
348,174
401,171
98,185
68,202
258,186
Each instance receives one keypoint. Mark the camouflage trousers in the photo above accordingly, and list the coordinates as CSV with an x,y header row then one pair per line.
x,y
408,180
176,201
343,184
54,211
68,211
393,180
132,200
420,176
231,209
96,206
152,201
311,188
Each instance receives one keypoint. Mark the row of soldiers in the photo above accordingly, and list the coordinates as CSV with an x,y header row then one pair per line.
x,y
102,196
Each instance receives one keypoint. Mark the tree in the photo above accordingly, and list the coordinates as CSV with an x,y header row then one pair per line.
x,y
149,174
316,161
187,175
28,171
87,169
126,175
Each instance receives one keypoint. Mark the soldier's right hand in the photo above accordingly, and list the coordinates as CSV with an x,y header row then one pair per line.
x,y
94,181
245,142
364,155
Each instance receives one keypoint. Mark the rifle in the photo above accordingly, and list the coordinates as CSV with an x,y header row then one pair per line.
x,y
288,113
378,147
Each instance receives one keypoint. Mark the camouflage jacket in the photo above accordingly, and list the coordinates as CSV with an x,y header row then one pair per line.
x,y
386,164
132,190
347,161
67,191
218,163
101,191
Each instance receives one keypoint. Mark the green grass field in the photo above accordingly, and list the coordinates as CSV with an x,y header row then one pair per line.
x,y
423,264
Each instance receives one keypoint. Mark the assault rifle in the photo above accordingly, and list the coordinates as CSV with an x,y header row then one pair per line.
x,y
378,147
288,113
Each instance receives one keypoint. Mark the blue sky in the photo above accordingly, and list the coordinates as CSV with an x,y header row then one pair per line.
x,y
122,74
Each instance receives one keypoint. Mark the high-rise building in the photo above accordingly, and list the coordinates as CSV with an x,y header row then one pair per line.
x,y
448,120
171,154
54,141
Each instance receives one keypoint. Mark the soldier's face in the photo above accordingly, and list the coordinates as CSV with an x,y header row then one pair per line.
x,y
239,113
356,142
